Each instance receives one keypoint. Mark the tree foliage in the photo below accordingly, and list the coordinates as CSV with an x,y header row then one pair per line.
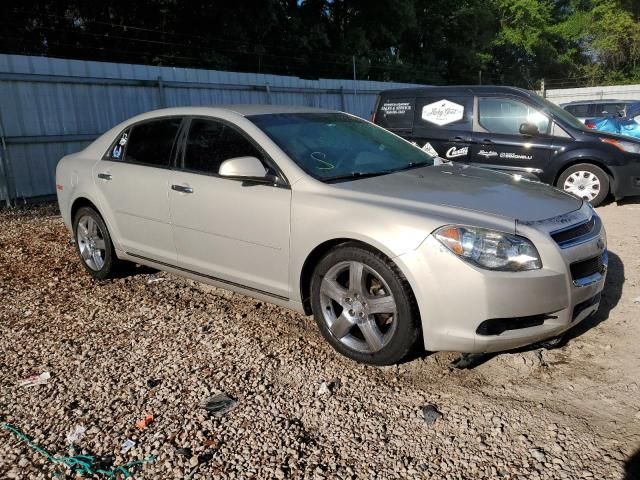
x,y
515,42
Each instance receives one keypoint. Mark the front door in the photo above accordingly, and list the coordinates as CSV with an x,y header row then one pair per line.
x,y
498,143
443,126
225,228
132,180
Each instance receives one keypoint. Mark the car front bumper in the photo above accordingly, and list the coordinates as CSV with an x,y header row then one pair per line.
x,y
626,179
467,309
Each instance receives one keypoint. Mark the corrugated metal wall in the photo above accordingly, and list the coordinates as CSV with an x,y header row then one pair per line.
x,y
51,107
617,92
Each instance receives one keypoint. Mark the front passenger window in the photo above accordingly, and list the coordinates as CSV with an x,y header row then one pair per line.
x,y
505,115
210,143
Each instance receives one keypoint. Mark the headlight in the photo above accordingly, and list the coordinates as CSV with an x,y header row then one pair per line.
x,y
490,249
622,145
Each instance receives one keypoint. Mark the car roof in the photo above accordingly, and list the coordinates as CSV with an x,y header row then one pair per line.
x,y
596,102
459,90
244,110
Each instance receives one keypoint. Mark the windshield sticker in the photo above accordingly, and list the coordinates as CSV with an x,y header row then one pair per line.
x,y
442,112
488,154
454,152
427,148
396,108
516,156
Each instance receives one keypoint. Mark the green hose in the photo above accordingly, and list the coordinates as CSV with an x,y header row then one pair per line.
x,y
79,464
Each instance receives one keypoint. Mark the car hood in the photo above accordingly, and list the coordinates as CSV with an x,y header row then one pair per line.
x,y
470,188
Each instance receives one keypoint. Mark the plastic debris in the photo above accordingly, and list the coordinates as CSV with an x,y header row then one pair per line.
x,y
327,388
144,422
76,434
155,279
218,404
431,414
34,380
127,445
81,465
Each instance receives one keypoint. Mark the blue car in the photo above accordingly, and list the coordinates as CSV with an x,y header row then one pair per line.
x,y
627,123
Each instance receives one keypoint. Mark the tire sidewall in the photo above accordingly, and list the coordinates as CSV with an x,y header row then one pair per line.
x,y
109,255
406,333
599,172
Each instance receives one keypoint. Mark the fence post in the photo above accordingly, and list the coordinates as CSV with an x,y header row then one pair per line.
x,y
343,100
5,186
267,89
163,100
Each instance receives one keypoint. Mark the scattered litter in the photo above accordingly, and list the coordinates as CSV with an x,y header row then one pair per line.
x,y
185,452
153,382
145,422
81,465
33,380
156,279
636,300
76,434
468,360
218,404
431,414
327,388
127,445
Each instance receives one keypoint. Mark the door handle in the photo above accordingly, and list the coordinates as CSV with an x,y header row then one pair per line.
x,y
458,139
182,189
487,141
105,176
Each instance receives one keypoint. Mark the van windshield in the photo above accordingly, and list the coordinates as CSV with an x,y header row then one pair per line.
x,y
336,146
562,114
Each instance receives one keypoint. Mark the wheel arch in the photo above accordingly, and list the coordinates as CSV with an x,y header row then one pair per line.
x,y
80,202
325,247
588,160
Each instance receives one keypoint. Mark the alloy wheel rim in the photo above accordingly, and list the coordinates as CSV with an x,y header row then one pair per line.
x,y
358,306
91,242
583,184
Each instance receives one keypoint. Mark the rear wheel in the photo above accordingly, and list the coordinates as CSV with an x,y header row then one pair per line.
x,y
364,306
93,244
585,181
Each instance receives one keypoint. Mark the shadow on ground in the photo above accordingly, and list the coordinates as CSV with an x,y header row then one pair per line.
x,y
632,467
611,295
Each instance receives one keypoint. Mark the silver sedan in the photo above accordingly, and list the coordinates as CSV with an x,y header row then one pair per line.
x,y
330,215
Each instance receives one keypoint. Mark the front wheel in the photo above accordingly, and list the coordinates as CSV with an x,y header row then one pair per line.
x,y
93,244
585,181
363,306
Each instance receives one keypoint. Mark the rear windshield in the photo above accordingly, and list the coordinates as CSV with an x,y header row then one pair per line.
x,y
332,146
396,113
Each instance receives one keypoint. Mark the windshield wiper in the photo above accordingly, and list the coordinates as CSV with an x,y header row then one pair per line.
x,y
359,175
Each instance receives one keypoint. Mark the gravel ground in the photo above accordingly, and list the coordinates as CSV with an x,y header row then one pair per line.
x,y
572,412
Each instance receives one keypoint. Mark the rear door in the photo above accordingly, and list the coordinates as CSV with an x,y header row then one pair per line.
x,y
133,180
443,125
498,143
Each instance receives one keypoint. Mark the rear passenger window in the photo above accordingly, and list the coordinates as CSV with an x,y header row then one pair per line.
x,y
210,143
396,113
446,113
151,143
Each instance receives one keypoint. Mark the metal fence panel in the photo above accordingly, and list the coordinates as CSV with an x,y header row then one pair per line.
x,y
615,92
51,107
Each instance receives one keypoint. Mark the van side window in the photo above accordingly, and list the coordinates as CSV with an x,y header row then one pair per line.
x,y
444,112
505,115
396,113
151,143
209,143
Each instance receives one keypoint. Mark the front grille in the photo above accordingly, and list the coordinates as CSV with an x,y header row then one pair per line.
x,y
582,306
577,233
588,267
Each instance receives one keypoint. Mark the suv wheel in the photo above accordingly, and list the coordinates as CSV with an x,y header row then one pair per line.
x,y
93,244
364,306
585,181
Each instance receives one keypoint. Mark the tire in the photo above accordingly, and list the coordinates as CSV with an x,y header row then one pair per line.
x,y
375,322
93,244
586,181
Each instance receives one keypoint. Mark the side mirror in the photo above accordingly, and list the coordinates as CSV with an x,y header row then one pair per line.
x,y
243,167
529,129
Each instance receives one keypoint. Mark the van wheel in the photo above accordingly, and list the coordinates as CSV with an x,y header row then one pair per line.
x,y
93,244
364,306
585,181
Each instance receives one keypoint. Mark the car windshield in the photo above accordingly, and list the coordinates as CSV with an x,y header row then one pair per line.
x,y
336,146
562,114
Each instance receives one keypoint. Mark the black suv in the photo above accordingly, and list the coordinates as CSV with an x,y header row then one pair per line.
x,y
515,131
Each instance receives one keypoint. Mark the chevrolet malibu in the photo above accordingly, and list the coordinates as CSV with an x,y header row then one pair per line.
x,y
319,211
